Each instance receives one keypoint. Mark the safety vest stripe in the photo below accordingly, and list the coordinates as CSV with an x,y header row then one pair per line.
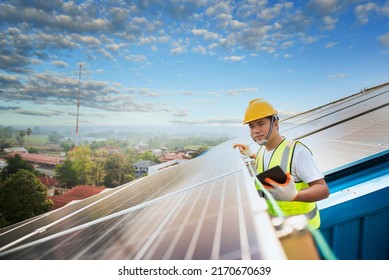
x,y
285,156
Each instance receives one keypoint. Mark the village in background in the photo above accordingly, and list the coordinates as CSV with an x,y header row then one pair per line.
x,y
100,160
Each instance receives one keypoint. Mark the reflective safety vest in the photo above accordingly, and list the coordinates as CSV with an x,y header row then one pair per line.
x,y
282,156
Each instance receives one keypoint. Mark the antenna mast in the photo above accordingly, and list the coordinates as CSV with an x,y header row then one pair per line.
x,y
78,103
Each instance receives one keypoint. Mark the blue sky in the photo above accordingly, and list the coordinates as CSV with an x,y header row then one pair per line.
x,y
183,64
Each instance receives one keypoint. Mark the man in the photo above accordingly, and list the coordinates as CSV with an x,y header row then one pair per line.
x,y
305,183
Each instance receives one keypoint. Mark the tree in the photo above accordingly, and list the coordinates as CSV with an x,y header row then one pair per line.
x,y
82,163
67,146
22,133
97,167
114,170
22,196
5,136
14,164
28,132
66,174
148,155
119,170
54,137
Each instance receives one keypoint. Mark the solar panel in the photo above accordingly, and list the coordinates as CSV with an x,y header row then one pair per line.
x,y
343,132
206,208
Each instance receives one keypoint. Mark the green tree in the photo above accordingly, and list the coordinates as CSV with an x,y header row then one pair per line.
x,y
148,155
67,146
28,132
119,170
82,164
114,170
97,167
66,174
54,137
21,135
22,196
14,164
5,137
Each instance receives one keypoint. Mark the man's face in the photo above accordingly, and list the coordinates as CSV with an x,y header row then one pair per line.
x,y
259,129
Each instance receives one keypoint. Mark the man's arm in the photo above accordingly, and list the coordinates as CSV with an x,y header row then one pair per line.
x,y
317,190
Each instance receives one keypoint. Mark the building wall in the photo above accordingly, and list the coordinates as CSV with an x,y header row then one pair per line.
x,y
359,229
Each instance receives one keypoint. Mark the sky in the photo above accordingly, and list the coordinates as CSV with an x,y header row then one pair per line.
x,y
183,64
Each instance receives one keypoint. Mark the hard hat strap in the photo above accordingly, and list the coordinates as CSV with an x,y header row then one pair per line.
x,y
264,142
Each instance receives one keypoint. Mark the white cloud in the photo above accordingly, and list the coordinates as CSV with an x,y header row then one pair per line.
x,y
324,7
205,34
336,76
181,114
234,58
136,57
177,48
329,23
60,64
237,92
200,50
384,40
217,9
362,12
330,45
385,9
286,45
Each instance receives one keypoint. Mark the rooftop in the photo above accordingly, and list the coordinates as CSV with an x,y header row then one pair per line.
x,y
77,193
207,208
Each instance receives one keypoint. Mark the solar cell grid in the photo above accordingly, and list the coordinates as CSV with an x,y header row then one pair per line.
x,y
196,210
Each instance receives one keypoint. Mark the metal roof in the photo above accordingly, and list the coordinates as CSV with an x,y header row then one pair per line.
x,y
355,218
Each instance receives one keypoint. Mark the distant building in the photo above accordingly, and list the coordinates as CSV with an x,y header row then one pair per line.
x,y
142,146
3,164
18,150
38,158
170,156
75,194
48,181
142,167
157,152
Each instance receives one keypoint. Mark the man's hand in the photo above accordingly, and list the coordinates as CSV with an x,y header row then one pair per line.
x,y
245,150
285,192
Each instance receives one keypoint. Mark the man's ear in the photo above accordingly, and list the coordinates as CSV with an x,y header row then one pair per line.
x,y
275,124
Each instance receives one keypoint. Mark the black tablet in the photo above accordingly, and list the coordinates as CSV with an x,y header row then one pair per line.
x,y
275,173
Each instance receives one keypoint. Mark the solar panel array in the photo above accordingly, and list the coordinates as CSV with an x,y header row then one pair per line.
x,y
346,131
343,132
206,208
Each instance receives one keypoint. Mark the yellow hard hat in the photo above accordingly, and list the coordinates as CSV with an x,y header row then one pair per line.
x,y
257,109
